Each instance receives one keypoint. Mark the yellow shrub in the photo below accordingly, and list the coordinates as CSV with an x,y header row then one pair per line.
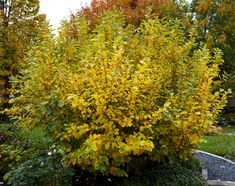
x,y
116,93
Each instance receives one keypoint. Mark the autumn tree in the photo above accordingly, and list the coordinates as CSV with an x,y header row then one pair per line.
x,y
216,24
216,27
134,10
19,26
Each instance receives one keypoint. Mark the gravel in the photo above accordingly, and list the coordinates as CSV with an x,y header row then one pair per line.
x,y
218,167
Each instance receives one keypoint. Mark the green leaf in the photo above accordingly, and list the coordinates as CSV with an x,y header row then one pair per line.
x,y
60,103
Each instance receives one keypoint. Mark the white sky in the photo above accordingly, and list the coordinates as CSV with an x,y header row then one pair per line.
x,y
56,10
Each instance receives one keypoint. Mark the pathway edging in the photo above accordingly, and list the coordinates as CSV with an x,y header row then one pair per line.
x,y
216,156
216,182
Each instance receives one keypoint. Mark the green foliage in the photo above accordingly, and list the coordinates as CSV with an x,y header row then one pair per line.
x,y
116,93
20,144
166,175
30,158
42,171
11,152
151,174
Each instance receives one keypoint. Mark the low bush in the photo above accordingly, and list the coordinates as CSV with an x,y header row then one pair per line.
x,y
12,147
45,170
28,157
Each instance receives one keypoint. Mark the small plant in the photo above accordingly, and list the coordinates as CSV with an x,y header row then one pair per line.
x,y
30,158
214,131
40,171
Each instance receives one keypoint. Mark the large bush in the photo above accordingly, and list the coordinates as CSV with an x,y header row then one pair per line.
x,y
117,92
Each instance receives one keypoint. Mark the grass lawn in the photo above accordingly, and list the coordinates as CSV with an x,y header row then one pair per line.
x,y
223,145
230,129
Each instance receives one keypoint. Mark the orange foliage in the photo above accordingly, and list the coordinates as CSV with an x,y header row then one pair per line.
x,y
134,10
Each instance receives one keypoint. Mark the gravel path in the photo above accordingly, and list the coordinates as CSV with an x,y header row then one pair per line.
x,y
218,167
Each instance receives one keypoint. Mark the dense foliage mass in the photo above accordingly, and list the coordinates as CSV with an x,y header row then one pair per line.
x,y
212,20
117,92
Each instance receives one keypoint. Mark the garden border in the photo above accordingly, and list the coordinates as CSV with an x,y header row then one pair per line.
x,y
216,156
216,182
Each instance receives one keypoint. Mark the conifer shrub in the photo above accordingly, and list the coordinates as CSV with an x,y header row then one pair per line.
x,y
118,92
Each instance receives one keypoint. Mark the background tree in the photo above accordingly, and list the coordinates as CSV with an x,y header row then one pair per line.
x,y
19,26
215,20
216,26
134,10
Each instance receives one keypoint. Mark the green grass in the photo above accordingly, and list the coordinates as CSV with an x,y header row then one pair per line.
x,y
229,129
221,145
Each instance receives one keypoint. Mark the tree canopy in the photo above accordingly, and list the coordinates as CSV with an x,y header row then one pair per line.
x,y
134,10
216,28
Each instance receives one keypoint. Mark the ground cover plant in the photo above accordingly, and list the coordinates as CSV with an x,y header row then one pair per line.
x,y
153,174
115,93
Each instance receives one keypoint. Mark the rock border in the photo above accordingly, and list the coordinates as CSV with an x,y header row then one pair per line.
x,y
216,156
220,183
216,182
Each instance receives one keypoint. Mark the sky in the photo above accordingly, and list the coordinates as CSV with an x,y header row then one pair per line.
x,y
56,10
